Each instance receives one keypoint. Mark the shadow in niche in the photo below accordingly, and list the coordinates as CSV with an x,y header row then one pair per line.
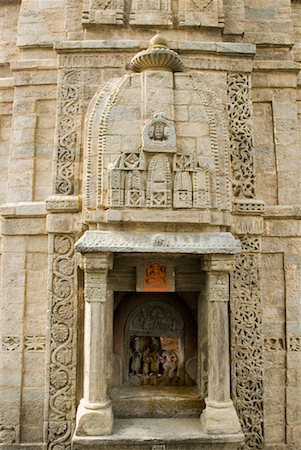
x,y
155,356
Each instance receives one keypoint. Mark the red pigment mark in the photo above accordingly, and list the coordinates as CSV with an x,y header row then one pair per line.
x,y
155,278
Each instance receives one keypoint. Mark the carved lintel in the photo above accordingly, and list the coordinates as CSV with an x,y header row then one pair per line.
x,y
218,263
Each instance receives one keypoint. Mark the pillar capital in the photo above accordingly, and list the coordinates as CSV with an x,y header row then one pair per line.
x,y
218,263
97,262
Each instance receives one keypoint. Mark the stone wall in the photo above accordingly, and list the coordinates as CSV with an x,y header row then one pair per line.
x,y
54,56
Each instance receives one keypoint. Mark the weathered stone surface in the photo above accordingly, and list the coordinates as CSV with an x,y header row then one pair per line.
x,y
156,175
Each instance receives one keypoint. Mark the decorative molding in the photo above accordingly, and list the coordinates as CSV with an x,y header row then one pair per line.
x,y
60,414
194,243
241,139
68,132
247,347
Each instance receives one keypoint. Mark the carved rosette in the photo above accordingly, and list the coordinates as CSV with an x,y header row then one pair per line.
x,y
68,132
62,341
247,342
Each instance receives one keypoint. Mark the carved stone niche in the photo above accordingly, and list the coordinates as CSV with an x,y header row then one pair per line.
x,y
155,357
201,13
103,12
151,12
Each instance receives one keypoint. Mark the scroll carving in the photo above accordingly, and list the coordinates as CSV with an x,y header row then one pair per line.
x,y
61,408
247,348
241,141
68,132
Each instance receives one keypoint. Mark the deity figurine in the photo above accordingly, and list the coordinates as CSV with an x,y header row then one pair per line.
x,y
136,357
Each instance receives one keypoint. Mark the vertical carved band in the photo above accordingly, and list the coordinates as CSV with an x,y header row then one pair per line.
x,y
60,412
247,347
68,132
241,141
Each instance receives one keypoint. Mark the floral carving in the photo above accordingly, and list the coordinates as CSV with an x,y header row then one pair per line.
x,y
35,343
68,128
61,412
247,348
241,140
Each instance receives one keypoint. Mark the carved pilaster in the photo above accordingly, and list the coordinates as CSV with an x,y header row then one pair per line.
x,y
94,415
68,129
247,342
246,306
219,417
60,408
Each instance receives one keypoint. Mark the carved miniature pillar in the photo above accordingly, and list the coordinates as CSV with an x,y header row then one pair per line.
x,y
94,415
220,416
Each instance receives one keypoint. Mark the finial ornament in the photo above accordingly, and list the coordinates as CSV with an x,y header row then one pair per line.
x,y
157,57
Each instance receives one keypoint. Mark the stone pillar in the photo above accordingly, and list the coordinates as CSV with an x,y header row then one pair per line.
x,y
94,414
219,416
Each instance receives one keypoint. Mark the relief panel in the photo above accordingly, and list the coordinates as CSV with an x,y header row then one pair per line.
x,y
151,12
204,13
103,12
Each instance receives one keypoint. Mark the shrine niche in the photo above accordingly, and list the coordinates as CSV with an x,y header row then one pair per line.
x,y
159,340
143,154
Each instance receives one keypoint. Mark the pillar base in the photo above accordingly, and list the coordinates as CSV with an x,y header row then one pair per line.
x,y
94,420
220,418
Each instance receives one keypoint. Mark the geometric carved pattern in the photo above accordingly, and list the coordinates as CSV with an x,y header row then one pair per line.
x,y
10,343
68,131
247,348
62,376
241,141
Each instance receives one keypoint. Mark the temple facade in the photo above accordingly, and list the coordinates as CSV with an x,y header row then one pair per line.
x,y
150,205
